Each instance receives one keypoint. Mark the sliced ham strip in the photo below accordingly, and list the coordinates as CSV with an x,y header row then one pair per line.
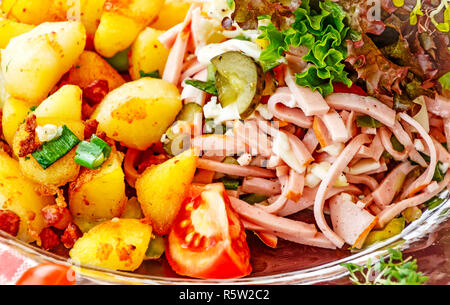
x,y
404,138
395,209
311,102
371,182
427,176
271,222
335,126
235,170
192,70
310,140
219,145
258,142
301,152
349,221
443,154
168,38
447,130
190,94
335,171
277,106
307,199
362,104
174,64
319,240
350,122
261,186
295,185
439,106
392,184
385,137
375,149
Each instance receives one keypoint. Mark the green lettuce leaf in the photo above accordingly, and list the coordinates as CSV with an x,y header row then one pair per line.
x,y
324,33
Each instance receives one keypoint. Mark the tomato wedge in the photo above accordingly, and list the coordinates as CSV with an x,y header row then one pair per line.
x,y
208,239
342,88
48,274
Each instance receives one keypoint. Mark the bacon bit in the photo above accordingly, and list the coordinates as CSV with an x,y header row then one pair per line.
x,y
71,234
9,222
90,128
96,91
153,156
30,144
56,216
49,239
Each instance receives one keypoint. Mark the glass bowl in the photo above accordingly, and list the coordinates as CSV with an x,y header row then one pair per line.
x,y
288,264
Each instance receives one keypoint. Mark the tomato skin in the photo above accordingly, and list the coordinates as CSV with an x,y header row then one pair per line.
x,y
342,88
224,254
48,274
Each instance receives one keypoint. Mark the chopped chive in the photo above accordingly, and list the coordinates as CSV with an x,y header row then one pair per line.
x,y
52,151
253,198
92,154
33,108
230,184
434,202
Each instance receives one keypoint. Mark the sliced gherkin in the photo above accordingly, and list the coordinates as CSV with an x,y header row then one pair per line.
x,y
239,80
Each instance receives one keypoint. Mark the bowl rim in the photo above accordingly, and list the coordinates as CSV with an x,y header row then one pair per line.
x,y
88,274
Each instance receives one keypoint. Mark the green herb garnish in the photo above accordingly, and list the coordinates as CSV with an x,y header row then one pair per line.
x,y
208,87
230,184
324,33
434,202
395,271
52,151
445,81
92,154
253,198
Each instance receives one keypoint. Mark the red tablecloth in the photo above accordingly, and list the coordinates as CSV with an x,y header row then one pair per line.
x,y
12,265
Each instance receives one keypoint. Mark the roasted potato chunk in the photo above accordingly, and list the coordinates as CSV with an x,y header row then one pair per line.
x,y
121,22
99,194
138,113
147,54
34,62
162,188
19,195
118,244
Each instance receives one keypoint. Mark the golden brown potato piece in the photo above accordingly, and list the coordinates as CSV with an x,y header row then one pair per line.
x,y
34,62
10,29
138,113
19,195
121,22
91,67
118,244
172,13
162,188
61,108
147,54
14,113
27,11
99,194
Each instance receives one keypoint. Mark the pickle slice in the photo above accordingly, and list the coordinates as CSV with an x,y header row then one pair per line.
x,y
188,112
238,80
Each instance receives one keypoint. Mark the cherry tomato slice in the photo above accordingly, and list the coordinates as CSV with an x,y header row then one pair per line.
x,y
208,239
342,88
48,274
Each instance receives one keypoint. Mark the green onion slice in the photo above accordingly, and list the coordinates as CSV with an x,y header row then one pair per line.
x,y
52,151
92,154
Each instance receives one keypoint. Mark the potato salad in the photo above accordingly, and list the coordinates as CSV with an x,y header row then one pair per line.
x,y
170,130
